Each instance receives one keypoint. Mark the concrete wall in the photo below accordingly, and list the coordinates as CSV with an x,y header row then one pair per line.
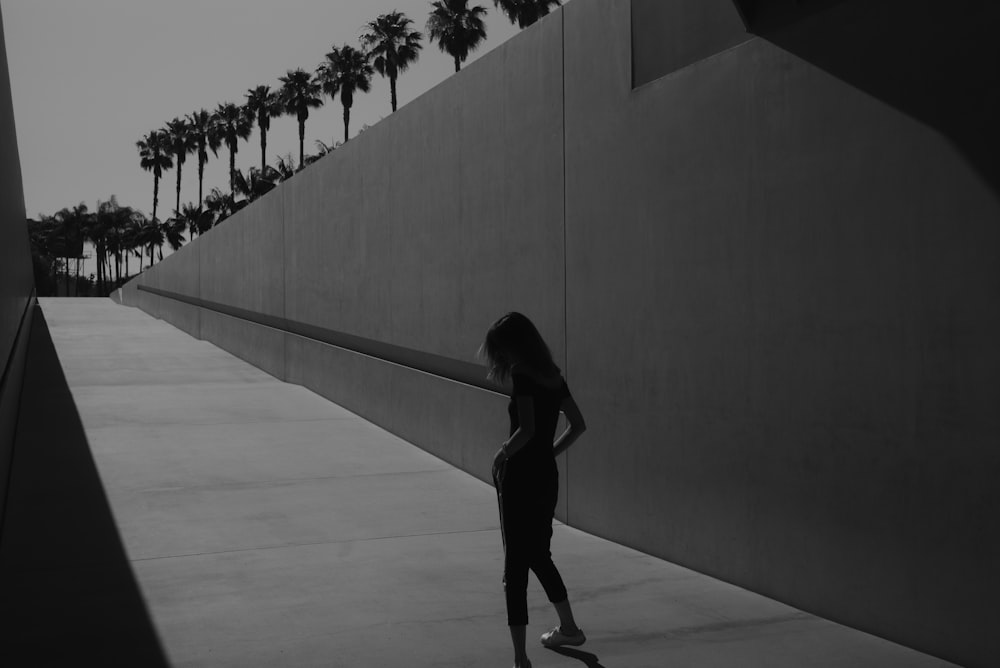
x,y
784,301
17,282
420,233
770,277
667,35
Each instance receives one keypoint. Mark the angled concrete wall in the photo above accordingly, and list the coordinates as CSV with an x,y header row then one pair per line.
x,y
419,234
769,274
17,281
784,304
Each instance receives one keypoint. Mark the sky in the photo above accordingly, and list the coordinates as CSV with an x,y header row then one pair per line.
x,y
89,78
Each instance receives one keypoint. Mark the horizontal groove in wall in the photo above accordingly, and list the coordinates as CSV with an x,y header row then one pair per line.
x,y
12,353
443,367
10,399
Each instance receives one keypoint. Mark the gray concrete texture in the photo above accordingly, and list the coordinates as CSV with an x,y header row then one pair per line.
x,y
16,276
799,287
769,276
268,526
667,36
15,255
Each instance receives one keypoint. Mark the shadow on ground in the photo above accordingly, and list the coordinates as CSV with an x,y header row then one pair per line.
x,y
588,659
69,596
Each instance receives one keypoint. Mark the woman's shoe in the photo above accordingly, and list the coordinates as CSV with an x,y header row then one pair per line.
x,y
556,638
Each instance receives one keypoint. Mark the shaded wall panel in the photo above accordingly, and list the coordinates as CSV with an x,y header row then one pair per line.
x,y
241,265
15,254
336,262
17,281
424,230
182,275
670,34
790,377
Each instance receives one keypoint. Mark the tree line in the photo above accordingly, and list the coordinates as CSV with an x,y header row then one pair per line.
x,y
388,46
116,232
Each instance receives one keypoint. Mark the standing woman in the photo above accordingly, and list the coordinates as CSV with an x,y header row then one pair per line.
x,y
525,473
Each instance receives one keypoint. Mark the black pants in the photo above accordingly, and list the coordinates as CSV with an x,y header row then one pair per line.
x,y
527,506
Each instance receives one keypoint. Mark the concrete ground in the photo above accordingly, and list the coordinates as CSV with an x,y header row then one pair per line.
x,y
267,526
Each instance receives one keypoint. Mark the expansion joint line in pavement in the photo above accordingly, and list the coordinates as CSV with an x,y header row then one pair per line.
x,y
321,542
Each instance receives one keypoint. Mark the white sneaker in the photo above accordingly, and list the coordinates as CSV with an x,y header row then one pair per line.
x,y
556,638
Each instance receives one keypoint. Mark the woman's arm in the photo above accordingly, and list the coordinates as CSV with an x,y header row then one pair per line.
x,y
574,430
525,430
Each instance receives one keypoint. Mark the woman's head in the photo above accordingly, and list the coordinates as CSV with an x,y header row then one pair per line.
x,y
512,340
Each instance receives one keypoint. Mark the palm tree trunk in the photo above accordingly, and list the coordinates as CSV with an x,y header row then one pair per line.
x,y
178,207
458,64
100,264
67,276
347,120
392,91
302,141
263,151
232,171
201,177
156,194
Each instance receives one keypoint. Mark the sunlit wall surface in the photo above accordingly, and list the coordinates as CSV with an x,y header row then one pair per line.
x,y
765,260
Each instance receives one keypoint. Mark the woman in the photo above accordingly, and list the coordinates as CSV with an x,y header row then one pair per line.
x,y
525,473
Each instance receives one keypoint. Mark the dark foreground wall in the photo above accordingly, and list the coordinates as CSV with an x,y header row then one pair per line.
x,y
16,280
768,270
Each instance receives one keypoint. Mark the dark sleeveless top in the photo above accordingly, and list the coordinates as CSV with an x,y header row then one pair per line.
x,y
536,455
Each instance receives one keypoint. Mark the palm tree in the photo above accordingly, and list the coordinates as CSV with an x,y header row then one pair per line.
x,y
114,220
285,167
264,105
154,156
457,28
322,148
392,46
173,234
525,12
41,235
219,206
300,92
71,224
345,71
97,234
132,239
189,215
149,236
234,123
256,183
181,142
130,222
206,136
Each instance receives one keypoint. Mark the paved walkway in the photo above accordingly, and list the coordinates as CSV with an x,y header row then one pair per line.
x,y
269,527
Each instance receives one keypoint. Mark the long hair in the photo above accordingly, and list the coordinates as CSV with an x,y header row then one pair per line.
x,y
514,339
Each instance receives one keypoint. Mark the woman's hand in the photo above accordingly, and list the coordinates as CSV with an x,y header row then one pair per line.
x,y
499,459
